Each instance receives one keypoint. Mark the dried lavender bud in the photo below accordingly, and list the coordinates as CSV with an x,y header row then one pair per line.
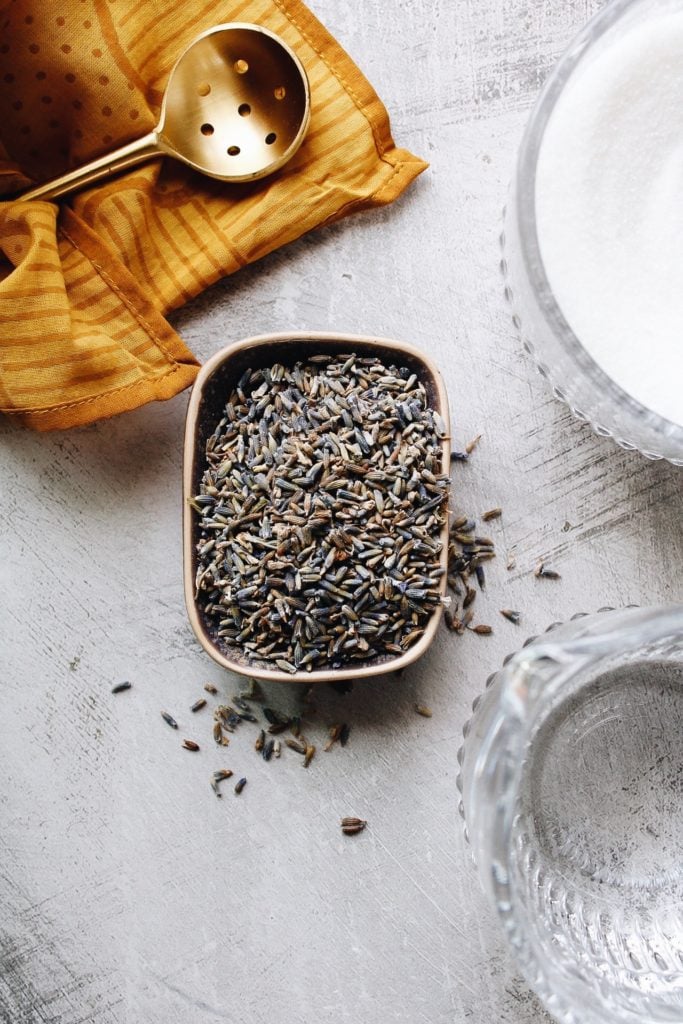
x,y
352,826
322,478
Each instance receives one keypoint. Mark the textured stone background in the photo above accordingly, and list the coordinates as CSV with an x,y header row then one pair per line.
x,y
129,894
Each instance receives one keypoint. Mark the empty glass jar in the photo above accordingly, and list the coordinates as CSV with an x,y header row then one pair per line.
x,y
572,793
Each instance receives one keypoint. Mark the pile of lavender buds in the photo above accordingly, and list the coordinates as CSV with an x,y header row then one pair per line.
x,y
320,513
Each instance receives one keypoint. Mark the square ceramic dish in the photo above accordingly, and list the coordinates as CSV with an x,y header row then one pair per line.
x,y
214,383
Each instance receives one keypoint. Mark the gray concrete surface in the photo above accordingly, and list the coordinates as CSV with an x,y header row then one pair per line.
x,y
128,893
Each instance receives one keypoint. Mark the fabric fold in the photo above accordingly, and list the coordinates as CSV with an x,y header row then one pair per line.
x,y
84,285
79,340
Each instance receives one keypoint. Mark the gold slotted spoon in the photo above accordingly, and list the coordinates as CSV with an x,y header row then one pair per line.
x,y
236,107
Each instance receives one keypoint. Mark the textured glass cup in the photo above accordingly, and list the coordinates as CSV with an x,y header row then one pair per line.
x,y
573,374
572,793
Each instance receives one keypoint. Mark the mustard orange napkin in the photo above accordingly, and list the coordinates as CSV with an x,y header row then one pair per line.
x,y
84,285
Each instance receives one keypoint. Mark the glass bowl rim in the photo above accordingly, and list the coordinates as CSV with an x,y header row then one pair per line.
x,y
526,224
591,635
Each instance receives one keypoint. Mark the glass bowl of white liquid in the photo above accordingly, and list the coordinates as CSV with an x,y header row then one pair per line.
x,y
572,793
593,235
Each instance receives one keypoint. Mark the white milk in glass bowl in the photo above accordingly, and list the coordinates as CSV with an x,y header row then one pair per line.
x,y
593,237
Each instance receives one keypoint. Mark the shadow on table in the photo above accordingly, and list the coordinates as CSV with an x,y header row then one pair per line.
x,y
104,466
380,704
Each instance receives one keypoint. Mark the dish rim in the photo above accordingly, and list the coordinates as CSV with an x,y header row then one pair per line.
x,y
190,455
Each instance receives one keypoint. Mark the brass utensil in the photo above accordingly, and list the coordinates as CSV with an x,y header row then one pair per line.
x,y
236,107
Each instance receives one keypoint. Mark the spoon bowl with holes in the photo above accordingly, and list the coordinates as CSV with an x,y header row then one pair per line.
x,y
236,107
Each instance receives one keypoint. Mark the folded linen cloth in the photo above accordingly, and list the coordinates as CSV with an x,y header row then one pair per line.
x,y
85,284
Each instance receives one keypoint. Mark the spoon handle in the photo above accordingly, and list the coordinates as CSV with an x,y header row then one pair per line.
x,y
132,153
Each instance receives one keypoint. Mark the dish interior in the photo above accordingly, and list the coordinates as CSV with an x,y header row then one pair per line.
x,y
215,390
